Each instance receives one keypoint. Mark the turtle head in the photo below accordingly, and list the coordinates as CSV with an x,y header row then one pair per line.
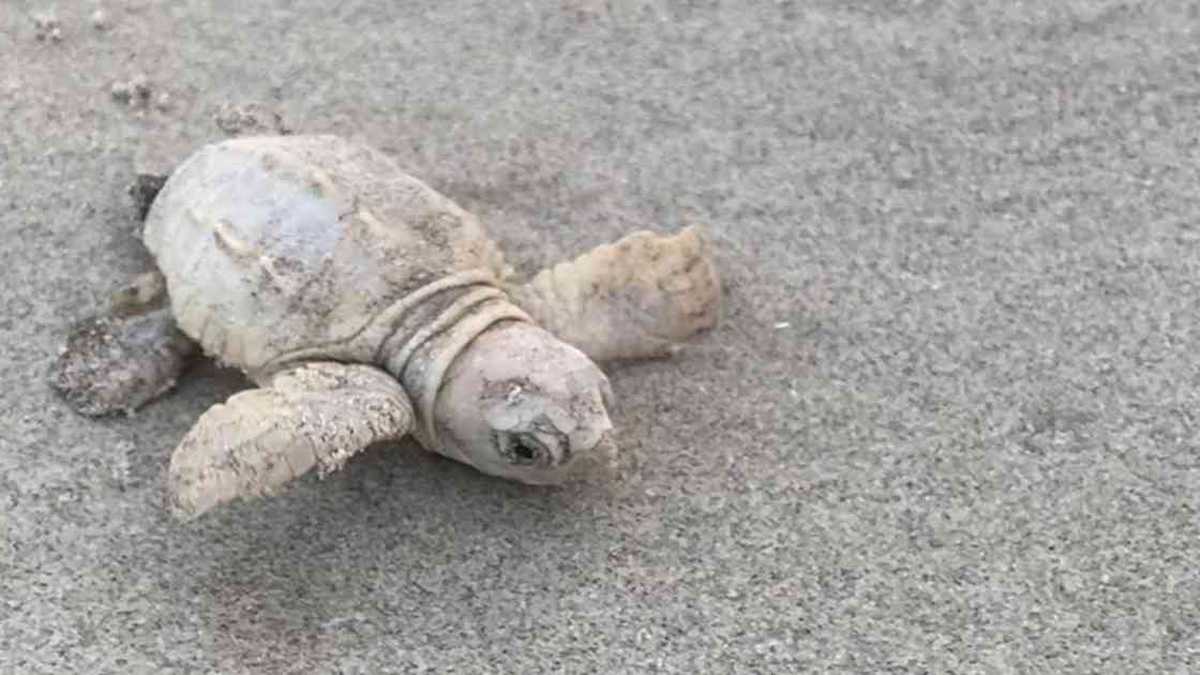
x,y
521,404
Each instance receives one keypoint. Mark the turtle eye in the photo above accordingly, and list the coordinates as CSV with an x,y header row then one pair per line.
x,y
522,449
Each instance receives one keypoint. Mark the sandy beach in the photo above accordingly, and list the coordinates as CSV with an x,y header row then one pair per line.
x,y
948,422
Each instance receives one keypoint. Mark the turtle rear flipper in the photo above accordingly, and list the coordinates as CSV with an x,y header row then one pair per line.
x,y
126,357
131,353
120,362
315,415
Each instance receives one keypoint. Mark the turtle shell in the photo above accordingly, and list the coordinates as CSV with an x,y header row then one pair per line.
x,y
288,247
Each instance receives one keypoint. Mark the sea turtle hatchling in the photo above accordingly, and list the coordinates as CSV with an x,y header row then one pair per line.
x,y
366,306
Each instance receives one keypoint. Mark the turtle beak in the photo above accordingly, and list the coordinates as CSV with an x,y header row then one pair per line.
x,y
598,462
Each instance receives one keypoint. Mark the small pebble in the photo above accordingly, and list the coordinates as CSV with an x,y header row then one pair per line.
x,y
100,19
122,92
250,119
135,92
48,28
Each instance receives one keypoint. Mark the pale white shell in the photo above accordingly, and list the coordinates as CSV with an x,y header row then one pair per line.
x,y
281,248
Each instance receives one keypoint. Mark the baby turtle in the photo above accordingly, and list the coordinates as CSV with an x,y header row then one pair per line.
x,y
366,306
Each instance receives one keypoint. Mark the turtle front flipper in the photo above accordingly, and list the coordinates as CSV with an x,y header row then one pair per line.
x,y
314,415
637,298
124,358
